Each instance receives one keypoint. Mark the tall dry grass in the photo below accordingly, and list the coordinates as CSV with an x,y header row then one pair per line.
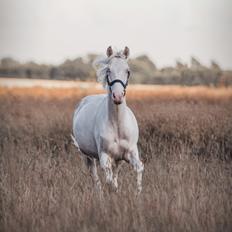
x,y
185,143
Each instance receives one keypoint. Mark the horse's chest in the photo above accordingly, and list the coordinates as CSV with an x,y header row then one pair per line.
x,y
116,139
116,146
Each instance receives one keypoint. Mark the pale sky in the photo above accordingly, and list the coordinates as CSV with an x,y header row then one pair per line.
x,y
52,30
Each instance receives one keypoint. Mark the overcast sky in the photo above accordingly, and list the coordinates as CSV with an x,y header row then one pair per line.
x,y
53,30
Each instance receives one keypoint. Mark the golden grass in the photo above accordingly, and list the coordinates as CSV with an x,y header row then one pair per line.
x,y
185,143
133,92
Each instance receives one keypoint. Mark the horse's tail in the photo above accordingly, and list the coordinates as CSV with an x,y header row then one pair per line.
x,y
75,142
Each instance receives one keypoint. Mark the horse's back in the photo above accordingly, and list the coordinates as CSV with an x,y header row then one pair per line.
x,y
84,122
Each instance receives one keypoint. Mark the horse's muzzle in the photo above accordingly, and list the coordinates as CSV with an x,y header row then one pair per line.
x,y
117,98
117,102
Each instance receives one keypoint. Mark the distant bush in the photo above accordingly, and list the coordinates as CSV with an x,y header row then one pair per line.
x,y
144,71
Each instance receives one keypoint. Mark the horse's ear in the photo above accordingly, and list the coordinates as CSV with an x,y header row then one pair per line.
x,y
126,52
109,51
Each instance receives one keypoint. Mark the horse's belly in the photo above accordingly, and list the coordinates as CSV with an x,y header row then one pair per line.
x,y
85,139
83,129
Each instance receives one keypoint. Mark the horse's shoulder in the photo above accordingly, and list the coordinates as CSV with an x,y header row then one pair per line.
x,y
131,113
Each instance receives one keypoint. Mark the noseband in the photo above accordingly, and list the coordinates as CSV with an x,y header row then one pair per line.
x,y
111,83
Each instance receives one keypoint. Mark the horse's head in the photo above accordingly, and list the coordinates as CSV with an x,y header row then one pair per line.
x,y
117,74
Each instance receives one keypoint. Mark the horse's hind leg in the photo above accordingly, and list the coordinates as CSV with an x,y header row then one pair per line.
x,y
92,166
116,170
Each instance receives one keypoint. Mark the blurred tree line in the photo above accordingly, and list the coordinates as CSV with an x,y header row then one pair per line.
x,y
143,70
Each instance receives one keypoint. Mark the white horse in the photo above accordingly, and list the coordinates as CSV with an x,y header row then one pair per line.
x,y
104,128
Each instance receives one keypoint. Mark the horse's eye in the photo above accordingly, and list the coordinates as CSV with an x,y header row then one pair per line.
x,y
128,73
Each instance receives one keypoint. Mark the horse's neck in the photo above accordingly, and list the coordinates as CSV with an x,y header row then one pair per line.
x,y
116,113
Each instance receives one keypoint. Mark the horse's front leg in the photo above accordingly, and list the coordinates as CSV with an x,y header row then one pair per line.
x,y
133,158
106,165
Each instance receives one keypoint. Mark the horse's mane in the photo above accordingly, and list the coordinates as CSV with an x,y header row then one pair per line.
x,y
101,65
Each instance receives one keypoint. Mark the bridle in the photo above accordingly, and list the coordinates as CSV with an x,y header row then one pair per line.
x,y
111,83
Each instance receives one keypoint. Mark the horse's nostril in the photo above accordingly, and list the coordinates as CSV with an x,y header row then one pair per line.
x,y
117,96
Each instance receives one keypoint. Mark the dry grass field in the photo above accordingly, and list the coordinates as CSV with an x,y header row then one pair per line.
x,y
185,143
